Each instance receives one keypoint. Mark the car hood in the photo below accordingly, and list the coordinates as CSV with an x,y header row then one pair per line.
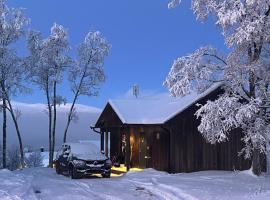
x,y
90,156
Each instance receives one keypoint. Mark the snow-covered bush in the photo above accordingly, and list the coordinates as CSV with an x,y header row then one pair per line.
x,y
13,159
34,159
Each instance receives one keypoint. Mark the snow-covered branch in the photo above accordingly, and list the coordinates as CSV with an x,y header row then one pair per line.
x,y
195,71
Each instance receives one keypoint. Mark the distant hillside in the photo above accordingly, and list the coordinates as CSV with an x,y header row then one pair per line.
x,y
34,124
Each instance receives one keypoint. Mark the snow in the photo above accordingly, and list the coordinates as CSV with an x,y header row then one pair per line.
x,y
86,151
155,111
44,155
44,183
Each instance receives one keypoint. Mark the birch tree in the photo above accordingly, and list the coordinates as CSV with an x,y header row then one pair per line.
x,y
12,75
244,72
88,73
12,28
47,63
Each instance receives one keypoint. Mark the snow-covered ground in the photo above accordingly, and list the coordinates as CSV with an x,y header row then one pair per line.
x,y
44,183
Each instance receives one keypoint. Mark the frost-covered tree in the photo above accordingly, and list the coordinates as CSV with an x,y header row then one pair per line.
x,y
13,160
12,74
12,28
34,159
47,63
244,73
88,73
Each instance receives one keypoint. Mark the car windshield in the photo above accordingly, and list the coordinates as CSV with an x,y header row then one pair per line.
x,y
83,149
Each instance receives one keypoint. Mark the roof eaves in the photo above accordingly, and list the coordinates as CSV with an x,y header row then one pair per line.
x,y
117,112
202,95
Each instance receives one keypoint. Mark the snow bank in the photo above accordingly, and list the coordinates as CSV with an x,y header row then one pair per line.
x,y
44,183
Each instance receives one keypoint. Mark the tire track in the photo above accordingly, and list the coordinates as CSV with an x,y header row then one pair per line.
x,y
178,191
89,190
156,191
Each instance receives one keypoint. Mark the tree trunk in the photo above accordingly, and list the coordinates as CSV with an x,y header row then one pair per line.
x,y
17,130
256,164
268,157
72,106
54,117
70,116
4,133
50,124
253,57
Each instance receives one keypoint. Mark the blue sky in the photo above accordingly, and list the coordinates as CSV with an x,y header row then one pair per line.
x,y
145,36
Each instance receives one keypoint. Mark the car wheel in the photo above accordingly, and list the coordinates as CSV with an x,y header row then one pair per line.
x,y
107,175
73,173
58,168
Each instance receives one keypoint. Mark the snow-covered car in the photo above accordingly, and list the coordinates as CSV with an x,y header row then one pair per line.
x,y
82,159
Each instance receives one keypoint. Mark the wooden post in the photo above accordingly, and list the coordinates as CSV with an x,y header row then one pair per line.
x,y
106,143
102,140
127,154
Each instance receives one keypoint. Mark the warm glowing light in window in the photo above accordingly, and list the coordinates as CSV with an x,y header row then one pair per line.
x,y
132,140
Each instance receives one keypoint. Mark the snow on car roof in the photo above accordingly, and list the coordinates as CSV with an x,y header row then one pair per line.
x,y
155,111
83,148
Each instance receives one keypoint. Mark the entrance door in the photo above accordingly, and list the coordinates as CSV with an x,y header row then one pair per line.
x,y
142,150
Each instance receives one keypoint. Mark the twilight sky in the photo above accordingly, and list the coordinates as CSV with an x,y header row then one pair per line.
x,y
145,36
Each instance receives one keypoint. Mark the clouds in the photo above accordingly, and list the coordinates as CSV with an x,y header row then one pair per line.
x,y
34,124
39,107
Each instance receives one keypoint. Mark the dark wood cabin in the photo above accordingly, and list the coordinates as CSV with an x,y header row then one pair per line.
x,y
164,136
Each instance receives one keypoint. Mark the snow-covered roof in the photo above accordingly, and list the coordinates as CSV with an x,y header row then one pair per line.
x,y
155,111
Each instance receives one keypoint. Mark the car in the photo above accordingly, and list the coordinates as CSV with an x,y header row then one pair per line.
x,y
81,159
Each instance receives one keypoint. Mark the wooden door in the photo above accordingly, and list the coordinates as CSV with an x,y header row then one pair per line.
x,y
142,150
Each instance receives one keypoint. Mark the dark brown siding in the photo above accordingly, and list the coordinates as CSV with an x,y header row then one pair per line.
x,y
190,151
158,143
115,143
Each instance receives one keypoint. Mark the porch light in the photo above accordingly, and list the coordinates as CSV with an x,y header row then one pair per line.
x,y
158,135
132,140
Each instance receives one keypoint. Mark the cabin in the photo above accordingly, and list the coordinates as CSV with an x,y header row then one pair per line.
x,y
162,134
